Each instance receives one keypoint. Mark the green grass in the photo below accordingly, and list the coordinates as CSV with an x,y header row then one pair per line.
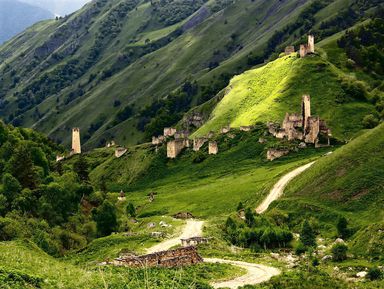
x,y
23,265
267,93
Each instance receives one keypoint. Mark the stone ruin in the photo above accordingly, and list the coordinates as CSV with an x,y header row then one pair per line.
x,y
183,215
273,154
225,129
174,147
151,197
158,140
213,148
182,134
120,151
194,241
110,144
308,48
246,128
121,196
289,50
76,143
196,120
169,131
304,127
172,258
198,143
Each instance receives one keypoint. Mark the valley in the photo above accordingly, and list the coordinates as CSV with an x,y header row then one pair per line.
x,y
195,144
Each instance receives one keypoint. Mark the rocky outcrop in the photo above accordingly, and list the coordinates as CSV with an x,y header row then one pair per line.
x,y
273,154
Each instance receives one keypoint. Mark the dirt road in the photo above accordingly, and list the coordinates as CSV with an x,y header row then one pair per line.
x,y
279,187
193,228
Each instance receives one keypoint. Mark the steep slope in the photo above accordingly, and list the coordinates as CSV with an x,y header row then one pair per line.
x,y
16,16
267,93
99,67
349,182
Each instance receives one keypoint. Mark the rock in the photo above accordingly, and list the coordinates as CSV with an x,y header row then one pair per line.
x,y
275,256
361,274
151,225
302,145
326,258
157,234
335,268
262,140
322,247
339,241
164,224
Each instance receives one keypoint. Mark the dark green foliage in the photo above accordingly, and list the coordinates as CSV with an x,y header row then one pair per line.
x,y
374,273
339,252
256,232
370,121
22,167
81,168
131,210
19,280
300,249
105,217
307,235
342,228
365,45
11,187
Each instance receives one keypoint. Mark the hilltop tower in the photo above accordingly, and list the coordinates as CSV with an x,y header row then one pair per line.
x,y
306,110
76,145
311,44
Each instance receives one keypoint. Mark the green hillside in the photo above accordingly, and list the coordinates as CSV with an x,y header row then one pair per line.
x,y
100,67
349,182
267,93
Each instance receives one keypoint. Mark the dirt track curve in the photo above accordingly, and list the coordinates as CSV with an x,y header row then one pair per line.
x,y
256,273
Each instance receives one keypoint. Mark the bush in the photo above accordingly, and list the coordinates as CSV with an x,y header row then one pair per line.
x,y
300,249
339,252
374,274
307,236
370,121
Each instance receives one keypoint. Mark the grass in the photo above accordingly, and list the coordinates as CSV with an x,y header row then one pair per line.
x,y
267,93
23,265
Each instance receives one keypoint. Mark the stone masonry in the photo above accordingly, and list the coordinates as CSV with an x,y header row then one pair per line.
x,y
198,143
213,148
172,258
308,48
76,144
174,147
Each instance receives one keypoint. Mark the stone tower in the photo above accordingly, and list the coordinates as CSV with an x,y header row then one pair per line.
x,y
306,110
311,44
76,145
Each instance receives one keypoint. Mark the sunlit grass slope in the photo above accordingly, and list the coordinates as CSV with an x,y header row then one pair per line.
x,y
267,93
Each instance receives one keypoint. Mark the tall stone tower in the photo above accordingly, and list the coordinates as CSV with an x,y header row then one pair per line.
x,y
306,110
311,43
76,145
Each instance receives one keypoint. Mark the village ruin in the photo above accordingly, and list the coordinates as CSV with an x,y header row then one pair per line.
x,y
171,258
305,49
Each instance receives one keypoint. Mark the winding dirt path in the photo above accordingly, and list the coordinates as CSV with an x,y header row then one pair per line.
x,y
256,273
193,228
279,187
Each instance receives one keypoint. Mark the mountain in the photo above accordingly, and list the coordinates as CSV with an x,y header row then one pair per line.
x,y
125,69
16,16
58,7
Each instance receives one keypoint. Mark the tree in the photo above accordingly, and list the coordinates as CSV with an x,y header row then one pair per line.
x,y
21,167
249,217
374,274
81,168
106,218
130,209
342,228
370,121
11,187
307,236
339,252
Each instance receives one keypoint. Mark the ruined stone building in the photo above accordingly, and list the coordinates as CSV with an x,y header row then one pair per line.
x,y
213,148
198,143
225,129
305,127
246,128
174,147
168,259
169,131
158,140
76,144
289,50
194,241
120,151
308,48
181,134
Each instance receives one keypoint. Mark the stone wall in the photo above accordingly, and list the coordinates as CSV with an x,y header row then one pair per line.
x,y
171,258
119,152
289,50
174,147
312,130
245,128
169,131
158,140
273,154
213,148
225,130
194,241
198,143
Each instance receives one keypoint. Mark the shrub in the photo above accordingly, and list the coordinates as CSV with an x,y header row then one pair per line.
x,y
300,249
370,121
307,236
339,252
374,274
